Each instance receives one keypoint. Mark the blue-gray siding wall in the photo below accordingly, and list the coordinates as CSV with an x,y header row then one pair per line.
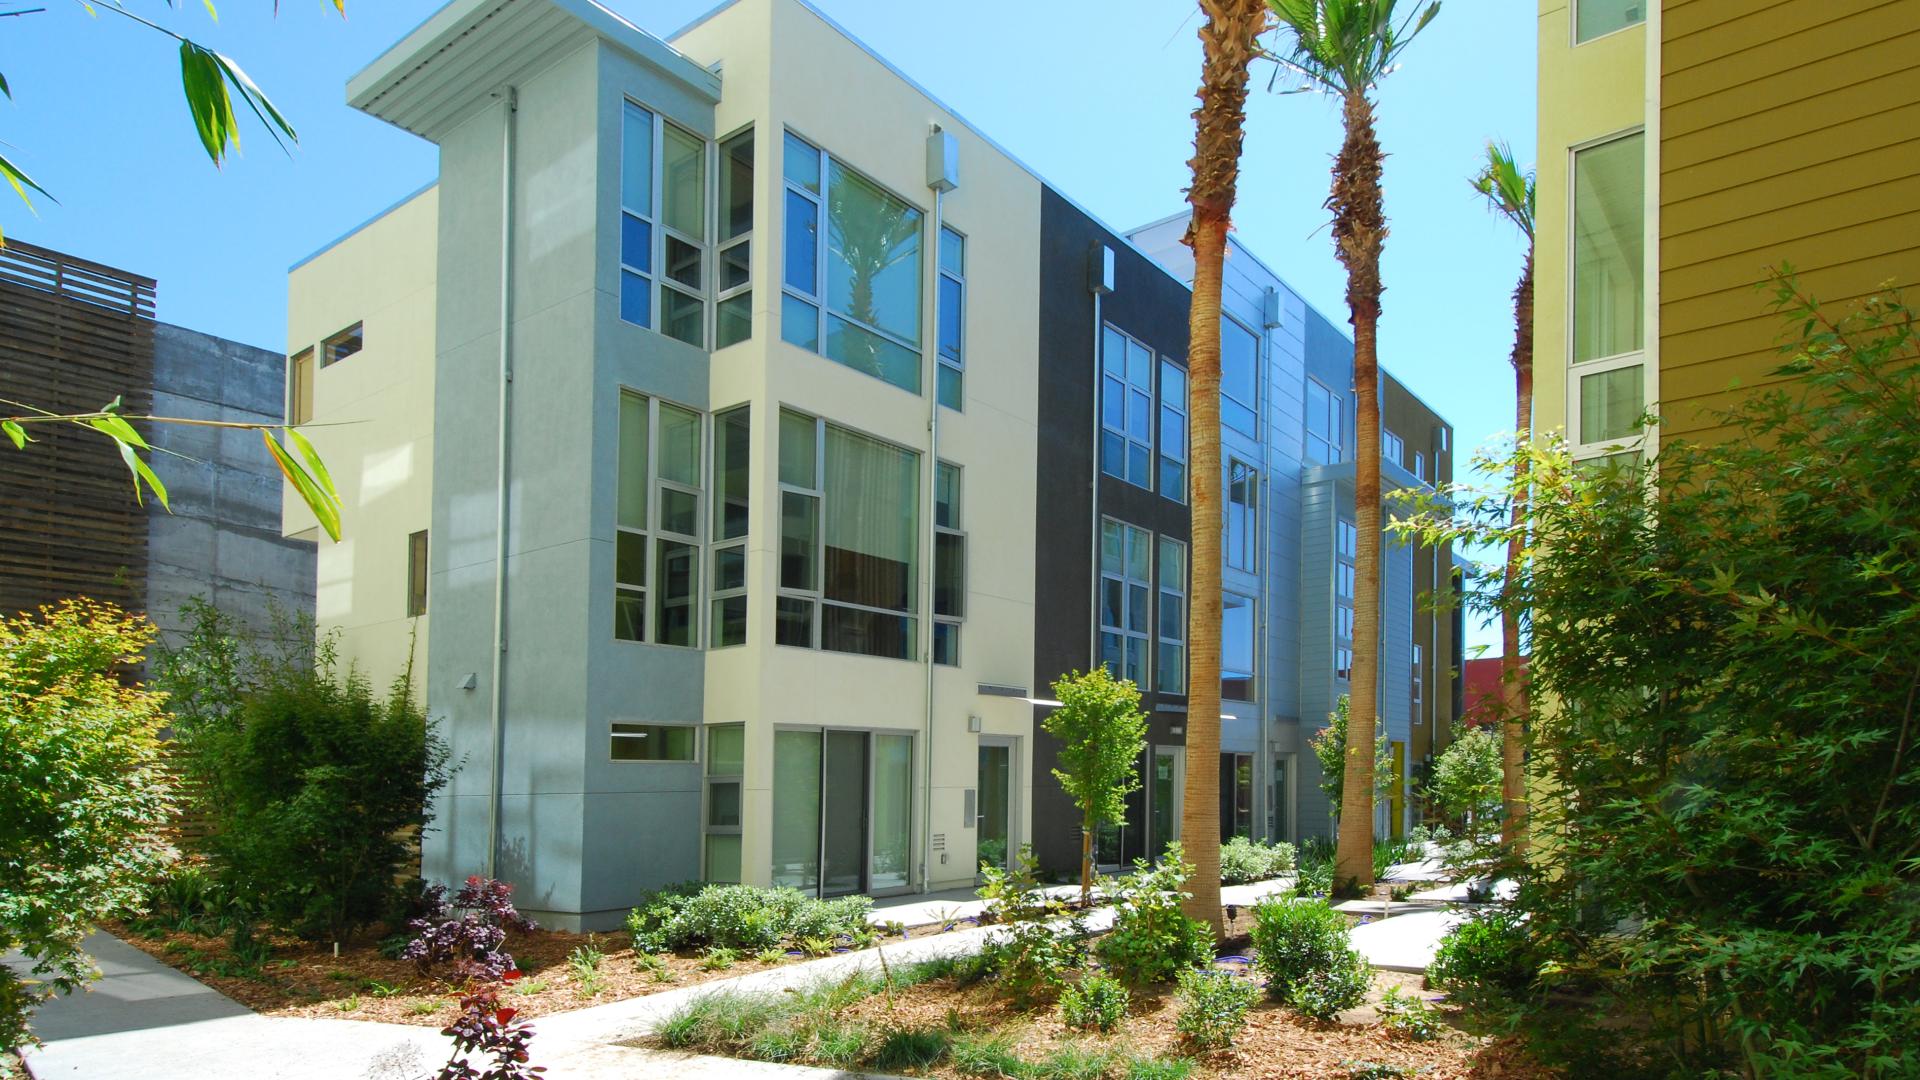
x,y
221,543
1318,692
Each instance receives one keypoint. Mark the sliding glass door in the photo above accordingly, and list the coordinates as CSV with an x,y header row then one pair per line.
x,y
843,810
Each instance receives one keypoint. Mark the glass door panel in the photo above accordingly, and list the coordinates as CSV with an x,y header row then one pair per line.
x,y
996,804
892,812
843,810
1163,802
796,809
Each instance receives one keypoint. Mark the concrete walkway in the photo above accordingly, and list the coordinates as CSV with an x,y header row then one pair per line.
x,y
1405,942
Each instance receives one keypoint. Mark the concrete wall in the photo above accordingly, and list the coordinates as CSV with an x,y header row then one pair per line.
x,y
221,543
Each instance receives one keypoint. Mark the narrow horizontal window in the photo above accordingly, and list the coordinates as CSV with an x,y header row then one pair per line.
x,y
653,742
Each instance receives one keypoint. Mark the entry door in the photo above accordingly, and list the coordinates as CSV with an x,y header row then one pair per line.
x,y
843,817
994,831
1166,785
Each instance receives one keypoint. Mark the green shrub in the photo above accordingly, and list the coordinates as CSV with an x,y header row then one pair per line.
x,y
83,793
1302,947
911,1048
1408,1016
1032,959
1015,896
1146,1068
1243,860
310,780
1315,875
1487,960
1213,1007
1152,940
744,918
1095,1003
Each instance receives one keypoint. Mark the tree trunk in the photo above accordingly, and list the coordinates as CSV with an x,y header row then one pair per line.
x,y
1229,40
1359,232
1086,862
1513,778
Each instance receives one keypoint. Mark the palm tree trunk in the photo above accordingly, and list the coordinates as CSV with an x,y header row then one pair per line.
x,y
1513,780
1229,40
1359,232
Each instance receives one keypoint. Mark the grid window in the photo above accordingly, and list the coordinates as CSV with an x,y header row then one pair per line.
x,y
1392,447
855,298
1126,408
1173,431
1126,582
1325,437
636,215
726,771
953,317
1346,549
670,202
1236,647
733,287
1239,378
658,526
949,564
300,387
1243,516
732,431
1170,664
342,345
417,574
849,541
652,742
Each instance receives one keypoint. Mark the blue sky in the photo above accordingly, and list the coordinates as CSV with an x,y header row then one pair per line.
x,y
1093,96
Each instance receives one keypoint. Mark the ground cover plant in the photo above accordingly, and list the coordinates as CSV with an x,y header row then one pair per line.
x,y
1244,860
1733,881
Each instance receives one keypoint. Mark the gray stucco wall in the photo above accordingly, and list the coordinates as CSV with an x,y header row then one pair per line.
x,y
221,542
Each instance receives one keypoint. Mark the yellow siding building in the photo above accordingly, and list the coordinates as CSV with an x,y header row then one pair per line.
x,y
1686,147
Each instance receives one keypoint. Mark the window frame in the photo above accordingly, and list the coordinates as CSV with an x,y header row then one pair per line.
x,y
1398,446
822,202
957,363
330,345
1336,419
709,780
654,534
1180,593
1145,636
613,736
1252,518
1183,409
659,281
717,544
953,620
1579,446
1251,406
722,243
1253,644
299,405
1345,595
1573,26
418,572
1128,388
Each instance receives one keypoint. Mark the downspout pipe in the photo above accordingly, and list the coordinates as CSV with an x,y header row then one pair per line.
x,y
943,175
510,98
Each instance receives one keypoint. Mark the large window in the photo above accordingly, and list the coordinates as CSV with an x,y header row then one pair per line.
x,y
1325,435
855,298
1239,378
1392,447
1243,516
726,768
1592,18
1126,584
1608,289
666,230
1346,547
733,292
849,541
1170,663
732,466
1236,647
1126,408
953,317
657,526
949,564
1173,431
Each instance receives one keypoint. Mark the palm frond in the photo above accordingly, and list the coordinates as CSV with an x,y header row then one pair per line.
x,y
1344,46
1509,190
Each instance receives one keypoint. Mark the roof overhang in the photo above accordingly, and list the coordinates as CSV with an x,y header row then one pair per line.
x,y
432,78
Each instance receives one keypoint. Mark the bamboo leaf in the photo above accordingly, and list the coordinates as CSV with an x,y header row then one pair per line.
x,y
20,181
206,90
314,465
140,471
118,430
257,100
325,505
15,432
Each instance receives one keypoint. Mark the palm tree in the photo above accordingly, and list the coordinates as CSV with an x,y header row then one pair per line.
x,y
1510,193
1344,48
1229,41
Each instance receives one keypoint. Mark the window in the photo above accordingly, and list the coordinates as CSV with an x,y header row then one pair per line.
x,y
663,227
1419,465
342,345
1608,289
300,387
1392,447
856,298
1173,431
653,742
733,292
1236,796
1324,436
1243,516
1125,590
849,541
1346,547
1236,647
1126,408
731,467
1170,666
657,523
1592,18
417,574
1239,377
953,316
1419,679
949,564
726,767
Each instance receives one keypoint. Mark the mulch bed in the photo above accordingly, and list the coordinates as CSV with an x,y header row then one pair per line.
x,y
305,979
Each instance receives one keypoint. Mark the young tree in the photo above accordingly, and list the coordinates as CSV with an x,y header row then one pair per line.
x,y
83,794
1510,193
1466,789
1344,48
1330,749
1229,41
1102,733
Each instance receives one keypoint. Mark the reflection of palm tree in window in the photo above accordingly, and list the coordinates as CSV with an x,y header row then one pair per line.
x,y
869,232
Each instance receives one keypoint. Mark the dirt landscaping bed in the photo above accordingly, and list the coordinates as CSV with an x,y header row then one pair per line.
x,y
304,979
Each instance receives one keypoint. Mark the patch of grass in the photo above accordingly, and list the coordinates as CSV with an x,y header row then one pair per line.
x,y
985,1053
349,1004
719,1022
1073,1062
423,1008
379,989
911,1048
839,1046
779,1044
529,987
1377,1070
1152,1068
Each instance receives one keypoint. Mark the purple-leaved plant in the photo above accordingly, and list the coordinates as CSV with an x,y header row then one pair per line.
x,y
467,932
